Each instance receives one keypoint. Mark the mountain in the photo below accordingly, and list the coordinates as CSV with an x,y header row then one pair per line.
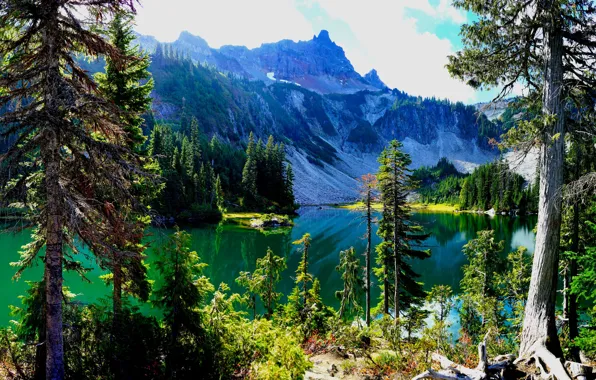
x,y
330,138
319,64
372,77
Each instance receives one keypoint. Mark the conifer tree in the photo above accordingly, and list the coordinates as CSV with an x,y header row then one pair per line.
x,y
480,283
547,45
67,127
349,267
289,186
269,268
368,184
249,173
302,275
180,296
397,232
128,85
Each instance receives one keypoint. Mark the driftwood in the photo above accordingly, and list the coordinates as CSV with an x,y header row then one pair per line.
x,y
549,365
483,370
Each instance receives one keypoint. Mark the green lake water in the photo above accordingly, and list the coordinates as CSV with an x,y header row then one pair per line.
x,y
229,250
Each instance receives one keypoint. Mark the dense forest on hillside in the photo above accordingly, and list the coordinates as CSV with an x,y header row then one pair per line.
x,y
88,182
490,186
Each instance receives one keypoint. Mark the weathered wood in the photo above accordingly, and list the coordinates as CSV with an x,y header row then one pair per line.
x,y
430,374
578,371
539,319
458,368
549,364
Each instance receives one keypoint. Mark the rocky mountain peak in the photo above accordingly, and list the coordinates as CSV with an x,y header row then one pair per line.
x,y
186,37
373,78
323,37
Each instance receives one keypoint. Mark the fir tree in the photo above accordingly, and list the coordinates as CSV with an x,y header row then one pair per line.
x,y
180,296
60,107
349,267
397,232
302,276
249,173
545,45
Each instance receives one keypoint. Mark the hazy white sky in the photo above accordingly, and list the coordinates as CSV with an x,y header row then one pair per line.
x,y
407,41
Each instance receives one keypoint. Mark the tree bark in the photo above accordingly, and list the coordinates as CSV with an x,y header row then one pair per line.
x,y
539,320
53,262
50,155
396,258
368,249
117,367
572,298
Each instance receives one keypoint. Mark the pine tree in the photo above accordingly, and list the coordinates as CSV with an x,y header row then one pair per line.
x,y
59,107
219,196
249,173
289,187
180,296
368,184
512,42
397,232
127,83
269,269
480,285
302,275
349,267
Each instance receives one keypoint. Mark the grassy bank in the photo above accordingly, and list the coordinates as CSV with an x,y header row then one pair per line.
x,y
419,207
439,207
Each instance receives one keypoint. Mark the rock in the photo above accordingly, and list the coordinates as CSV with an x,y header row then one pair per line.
x,y
373,78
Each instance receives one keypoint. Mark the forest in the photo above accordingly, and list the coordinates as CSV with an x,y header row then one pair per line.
x,y
87,182
489,186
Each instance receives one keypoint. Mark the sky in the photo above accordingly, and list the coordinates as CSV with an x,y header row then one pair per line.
x,y
406,41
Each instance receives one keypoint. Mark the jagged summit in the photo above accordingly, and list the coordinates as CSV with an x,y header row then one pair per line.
x,y
373,78
323,37
319,64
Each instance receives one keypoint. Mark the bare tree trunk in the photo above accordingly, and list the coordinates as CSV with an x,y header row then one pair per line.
x,y
53,261
396,257
368,249
572,298
50,156
539,320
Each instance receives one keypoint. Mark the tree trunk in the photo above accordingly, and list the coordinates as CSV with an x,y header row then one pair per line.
x,y
50,156
40,349
305,282
572,270
117,369
368,249
539,320
396,257
53,261
117,294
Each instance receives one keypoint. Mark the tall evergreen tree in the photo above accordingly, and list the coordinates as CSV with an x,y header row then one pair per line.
x,y
368,185
349,267
249,173
512,42
302,275
128,85
399,234
67,128
180,296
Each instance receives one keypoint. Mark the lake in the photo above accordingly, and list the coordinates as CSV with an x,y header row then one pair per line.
x,y
230,249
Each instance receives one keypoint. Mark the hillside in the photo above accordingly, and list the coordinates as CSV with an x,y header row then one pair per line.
x,y
330,138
